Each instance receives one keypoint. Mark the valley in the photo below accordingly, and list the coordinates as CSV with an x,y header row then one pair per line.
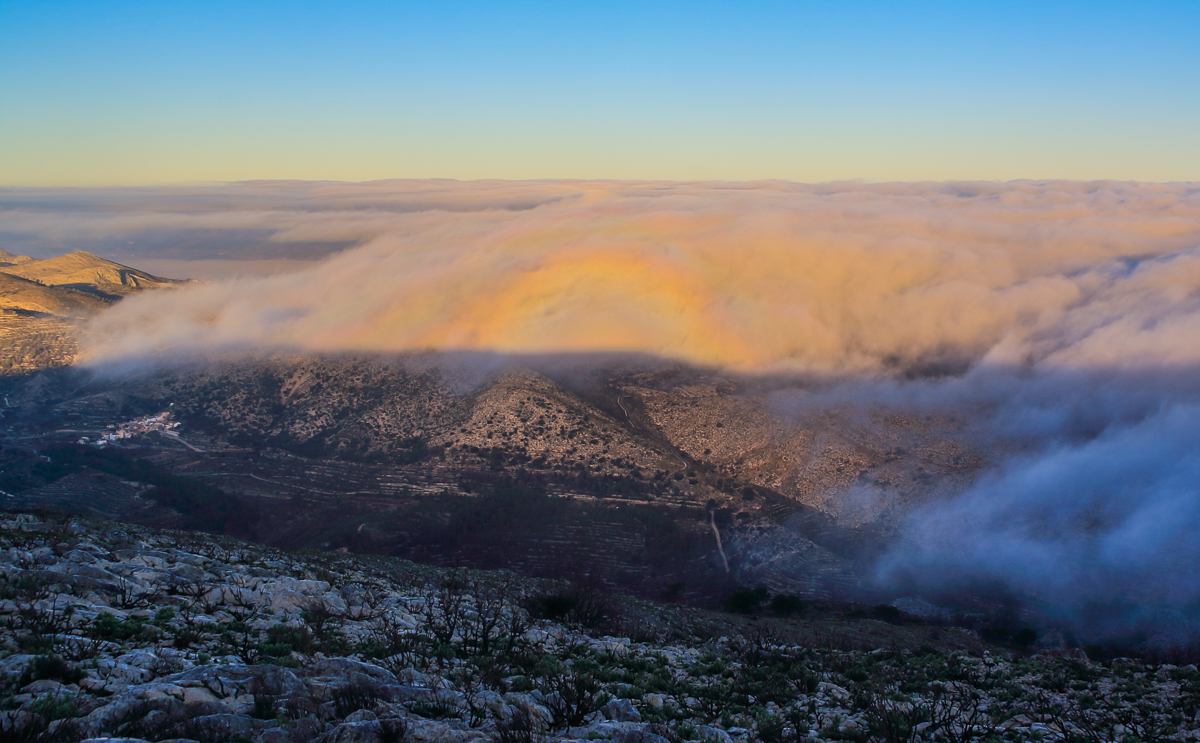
x,y
640,475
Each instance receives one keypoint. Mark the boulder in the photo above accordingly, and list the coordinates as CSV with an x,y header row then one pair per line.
x,y
715,735
638,735
353,732
441,731
118,675
235,680
42,686
187,573
224,727
123,710
621,710
351,671
304,730
197,695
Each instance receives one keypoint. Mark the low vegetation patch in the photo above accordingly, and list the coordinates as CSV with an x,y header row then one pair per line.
x,y
115,630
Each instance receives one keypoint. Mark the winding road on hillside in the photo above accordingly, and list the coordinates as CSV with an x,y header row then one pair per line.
x,y
634,426
626,412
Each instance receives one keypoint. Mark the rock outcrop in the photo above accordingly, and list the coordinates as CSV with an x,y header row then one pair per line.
x,y
119,633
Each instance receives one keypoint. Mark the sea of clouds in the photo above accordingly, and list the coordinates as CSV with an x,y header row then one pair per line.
x,y
1064,315
767,276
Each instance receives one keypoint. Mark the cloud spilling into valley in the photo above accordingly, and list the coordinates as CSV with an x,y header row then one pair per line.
x,y
1101,534
1065,315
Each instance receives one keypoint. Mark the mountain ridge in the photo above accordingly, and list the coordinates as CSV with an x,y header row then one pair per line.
x,y
418,461
9,259
85,270
44,301
19,294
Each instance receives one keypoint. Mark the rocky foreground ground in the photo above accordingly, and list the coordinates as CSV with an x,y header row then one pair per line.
x,y
114,631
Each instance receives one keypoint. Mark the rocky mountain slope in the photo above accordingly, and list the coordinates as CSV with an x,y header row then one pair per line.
x,y
113,631
38,324
658,474
704,433
84,271
42,302
20,295
645,466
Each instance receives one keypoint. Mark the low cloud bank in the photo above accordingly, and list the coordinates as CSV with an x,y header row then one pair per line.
x,y
1066,315
1102,534
853,278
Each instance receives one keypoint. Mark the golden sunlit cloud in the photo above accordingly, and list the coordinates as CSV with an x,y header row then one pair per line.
x,y
769,276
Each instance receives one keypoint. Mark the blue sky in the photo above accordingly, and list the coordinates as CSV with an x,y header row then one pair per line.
x,y
154,92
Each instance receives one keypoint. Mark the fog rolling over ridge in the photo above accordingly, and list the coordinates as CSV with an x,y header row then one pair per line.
x,y
751,276
1065,316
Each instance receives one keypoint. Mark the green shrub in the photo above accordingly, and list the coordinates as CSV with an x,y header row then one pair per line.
x,y
1024,637
299,639
572,696
351,698
747,600
108,627
275,650
553,606
186,637
518,727
787,604
580,606
393,730
887,613
59,706
264,707
51,667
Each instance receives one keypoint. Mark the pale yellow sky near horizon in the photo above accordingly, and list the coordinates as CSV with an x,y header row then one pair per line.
x,y
116,164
